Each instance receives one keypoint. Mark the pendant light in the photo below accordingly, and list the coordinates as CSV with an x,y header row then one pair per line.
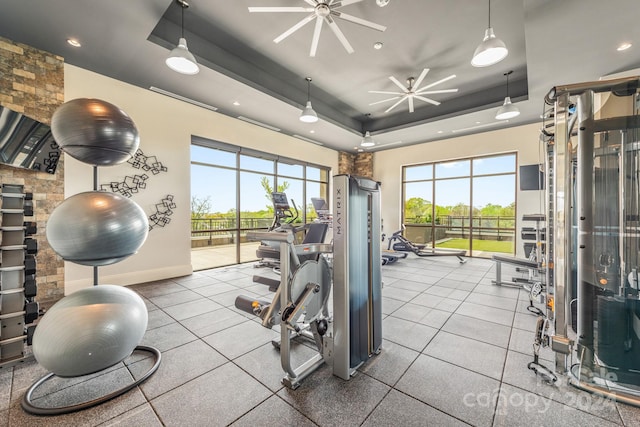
x,y
180,59
492,50
308,115
368,140
508,110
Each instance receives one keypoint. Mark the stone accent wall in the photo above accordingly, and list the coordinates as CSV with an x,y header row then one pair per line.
x,y
32,83
346,163
363,165
360,164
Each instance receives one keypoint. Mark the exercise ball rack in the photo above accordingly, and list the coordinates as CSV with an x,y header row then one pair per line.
x,y
30,407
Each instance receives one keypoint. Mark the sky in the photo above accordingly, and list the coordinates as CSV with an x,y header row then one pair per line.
x,y
220,184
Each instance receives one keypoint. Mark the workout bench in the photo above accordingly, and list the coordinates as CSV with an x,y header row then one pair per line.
x,y
531,266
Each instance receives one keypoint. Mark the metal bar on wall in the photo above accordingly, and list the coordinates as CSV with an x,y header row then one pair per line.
x,y
562,222
585,211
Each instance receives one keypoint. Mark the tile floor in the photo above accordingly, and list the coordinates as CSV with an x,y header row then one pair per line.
x,y
455,352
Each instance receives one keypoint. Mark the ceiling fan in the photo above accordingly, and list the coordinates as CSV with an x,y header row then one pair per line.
x,y
413,91
321,11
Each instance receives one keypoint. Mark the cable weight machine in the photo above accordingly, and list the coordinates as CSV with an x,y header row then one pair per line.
x,y
593,205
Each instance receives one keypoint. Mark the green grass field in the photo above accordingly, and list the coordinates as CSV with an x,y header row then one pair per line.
x,y
478,245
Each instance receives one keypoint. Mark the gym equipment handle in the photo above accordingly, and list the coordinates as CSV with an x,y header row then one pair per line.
x,y
245,304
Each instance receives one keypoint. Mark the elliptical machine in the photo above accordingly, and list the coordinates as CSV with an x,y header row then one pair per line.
x,y
283,219
269,252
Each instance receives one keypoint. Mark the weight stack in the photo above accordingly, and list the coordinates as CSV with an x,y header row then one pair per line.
x,y
18,247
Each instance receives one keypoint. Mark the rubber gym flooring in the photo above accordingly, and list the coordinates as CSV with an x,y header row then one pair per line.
x,y
455,353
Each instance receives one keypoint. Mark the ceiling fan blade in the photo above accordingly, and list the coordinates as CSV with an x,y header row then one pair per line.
x,y
438,82
411,104
316,36
430,92
396,104
397,83
385,100
384,92
337,4
421,77
334,27
430,101
295,28
280,9
313,3
359,21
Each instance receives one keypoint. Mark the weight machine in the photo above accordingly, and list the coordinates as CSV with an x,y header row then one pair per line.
x,y
592,136
348,332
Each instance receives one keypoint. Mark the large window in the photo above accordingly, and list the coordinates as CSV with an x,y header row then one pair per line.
x,y
462,204
231,194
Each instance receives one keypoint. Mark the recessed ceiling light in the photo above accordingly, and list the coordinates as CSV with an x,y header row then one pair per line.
x,y
74,42
440,131
236,103
623,46
378,45
478,123
312,131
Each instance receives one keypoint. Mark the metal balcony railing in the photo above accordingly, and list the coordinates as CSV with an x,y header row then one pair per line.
x,y
481,227
223,230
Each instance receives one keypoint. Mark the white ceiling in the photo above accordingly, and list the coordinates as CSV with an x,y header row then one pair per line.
x,y
550,43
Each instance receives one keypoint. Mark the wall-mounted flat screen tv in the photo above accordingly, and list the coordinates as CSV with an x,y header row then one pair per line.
x,y
27,143
531,177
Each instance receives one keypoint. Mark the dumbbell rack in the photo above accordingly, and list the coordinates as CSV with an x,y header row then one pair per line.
x,y
18,288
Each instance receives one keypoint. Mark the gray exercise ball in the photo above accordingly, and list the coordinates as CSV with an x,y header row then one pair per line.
x,y
95,132
90,330
97,228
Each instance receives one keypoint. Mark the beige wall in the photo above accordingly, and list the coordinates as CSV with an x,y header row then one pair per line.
x,y
165,126
523,140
